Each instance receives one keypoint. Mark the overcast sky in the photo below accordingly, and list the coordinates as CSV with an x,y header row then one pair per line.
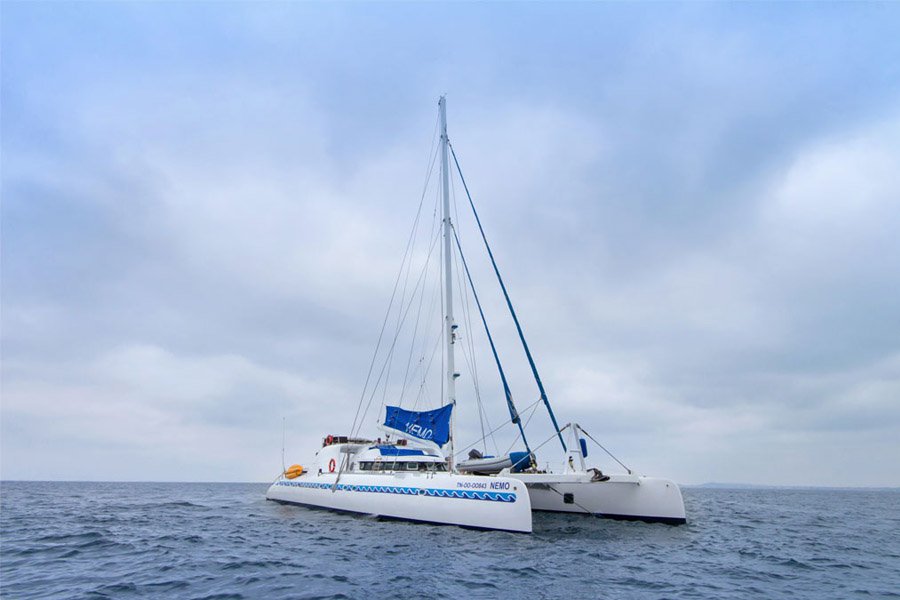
x,y
696,208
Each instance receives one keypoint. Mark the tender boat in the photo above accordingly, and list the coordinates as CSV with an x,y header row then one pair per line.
x,y
491,465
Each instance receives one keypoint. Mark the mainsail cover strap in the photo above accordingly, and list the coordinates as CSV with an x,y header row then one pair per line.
x,y
429,426
512,312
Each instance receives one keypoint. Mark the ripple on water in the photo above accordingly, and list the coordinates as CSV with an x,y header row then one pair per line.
x,y
226,541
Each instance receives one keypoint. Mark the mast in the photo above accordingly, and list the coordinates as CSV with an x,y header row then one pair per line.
x,y
450,326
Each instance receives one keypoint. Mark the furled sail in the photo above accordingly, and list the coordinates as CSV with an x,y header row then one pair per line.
x,y
429,426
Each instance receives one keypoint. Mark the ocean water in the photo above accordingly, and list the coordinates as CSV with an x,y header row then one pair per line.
x,y
159,540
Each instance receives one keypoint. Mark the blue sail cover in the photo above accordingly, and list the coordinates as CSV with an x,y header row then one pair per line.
x,y
429,425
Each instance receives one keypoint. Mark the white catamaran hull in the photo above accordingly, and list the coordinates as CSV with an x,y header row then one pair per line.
x,y
468,501
629,497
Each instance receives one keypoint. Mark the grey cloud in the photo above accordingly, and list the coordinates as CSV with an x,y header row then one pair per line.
x,y
701,241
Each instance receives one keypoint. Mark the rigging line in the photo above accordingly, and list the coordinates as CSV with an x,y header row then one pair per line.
x,y
512,312
513,413
467,316
443,330
396,284
424,387
498,428
344,462
425,345
434,312
544,443
437,301
482,414
391,350
605,450
527,421
412,344
593,514
470,363
386,366
390,357
378,345
399,326
424,267
432,152
471,358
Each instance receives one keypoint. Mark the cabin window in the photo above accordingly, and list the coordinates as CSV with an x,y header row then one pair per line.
x,y
402,466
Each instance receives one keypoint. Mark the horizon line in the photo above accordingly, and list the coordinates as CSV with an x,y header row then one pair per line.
x,y
706,485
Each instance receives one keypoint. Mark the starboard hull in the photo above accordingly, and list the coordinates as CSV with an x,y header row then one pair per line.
x,y
497,503
629,497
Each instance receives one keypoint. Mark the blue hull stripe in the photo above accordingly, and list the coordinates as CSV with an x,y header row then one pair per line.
x,y
406,491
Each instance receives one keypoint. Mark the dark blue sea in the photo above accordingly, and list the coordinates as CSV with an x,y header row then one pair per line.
x,y
175,540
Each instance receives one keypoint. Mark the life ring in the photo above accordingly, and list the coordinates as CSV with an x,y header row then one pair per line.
x,y
331,465
329,440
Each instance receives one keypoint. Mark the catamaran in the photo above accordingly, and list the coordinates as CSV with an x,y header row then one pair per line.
x,y
411,478
417,475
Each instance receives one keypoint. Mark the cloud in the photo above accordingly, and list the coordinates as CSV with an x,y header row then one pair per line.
x,y
200,236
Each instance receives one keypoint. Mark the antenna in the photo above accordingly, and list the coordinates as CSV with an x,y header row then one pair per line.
x,y
283,468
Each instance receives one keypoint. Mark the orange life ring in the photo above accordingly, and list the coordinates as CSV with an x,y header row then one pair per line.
x,y
329,440
331,465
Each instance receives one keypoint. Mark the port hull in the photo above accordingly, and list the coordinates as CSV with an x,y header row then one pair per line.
x,y
495,503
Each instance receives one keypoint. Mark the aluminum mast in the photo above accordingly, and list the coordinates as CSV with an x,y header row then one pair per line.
x,y
450,325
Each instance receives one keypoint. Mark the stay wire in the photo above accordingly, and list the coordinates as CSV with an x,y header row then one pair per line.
x,y
471,359
391,350
527,421
496,429
399,325
423,389
512,312
412,343
430,169
426,367
602,447
514,416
